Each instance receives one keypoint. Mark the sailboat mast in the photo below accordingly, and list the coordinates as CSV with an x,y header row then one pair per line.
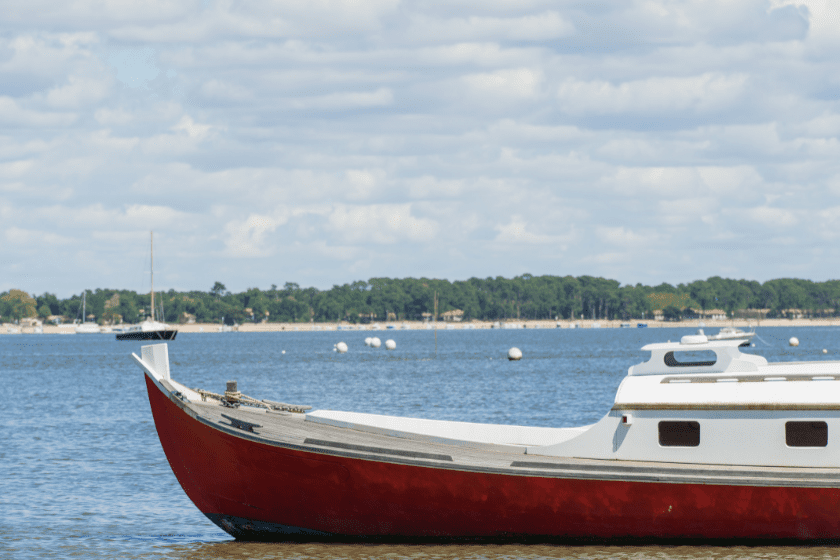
x,y
152,234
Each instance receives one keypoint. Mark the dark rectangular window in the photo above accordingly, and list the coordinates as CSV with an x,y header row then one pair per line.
x,y
679,434
806,434
696,358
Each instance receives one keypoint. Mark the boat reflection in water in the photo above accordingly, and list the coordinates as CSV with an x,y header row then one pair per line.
x,y
703,442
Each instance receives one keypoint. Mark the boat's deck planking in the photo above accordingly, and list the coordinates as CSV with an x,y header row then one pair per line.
x,y
291,430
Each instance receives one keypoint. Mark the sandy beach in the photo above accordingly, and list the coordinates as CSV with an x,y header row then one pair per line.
x,y
710,325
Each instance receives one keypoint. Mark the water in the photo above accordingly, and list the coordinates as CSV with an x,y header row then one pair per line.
x,y
82,473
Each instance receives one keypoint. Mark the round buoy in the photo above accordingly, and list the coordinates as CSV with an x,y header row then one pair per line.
x,y
367,341
390,345
283,352
825,351
375,342
514,354
341,347
793,341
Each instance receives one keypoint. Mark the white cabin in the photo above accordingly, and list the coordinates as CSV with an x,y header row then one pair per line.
x,y
701,401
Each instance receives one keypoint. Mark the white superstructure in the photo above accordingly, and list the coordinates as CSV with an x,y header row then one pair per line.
x,y
703,401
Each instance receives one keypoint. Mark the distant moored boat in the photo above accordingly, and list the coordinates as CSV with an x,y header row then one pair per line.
x,y
149,329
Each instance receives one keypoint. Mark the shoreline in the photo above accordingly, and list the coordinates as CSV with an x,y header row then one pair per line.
x,y
466,325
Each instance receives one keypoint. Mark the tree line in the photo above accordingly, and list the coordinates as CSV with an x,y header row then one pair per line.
x,y
523,297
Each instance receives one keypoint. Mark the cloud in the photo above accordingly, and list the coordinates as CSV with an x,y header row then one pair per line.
x,y
626,237
24,240
15,169
509,83
113,117
247,238
12,114
517,232
772,217
345,100
686,182
193,129
535,27
707,92
380,223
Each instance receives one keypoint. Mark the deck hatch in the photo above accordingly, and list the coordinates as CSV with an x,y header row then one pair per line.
x,y
806,434
379,450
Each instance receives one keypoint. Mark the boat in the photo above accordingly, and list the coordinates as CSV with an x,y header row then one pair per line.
x,y
703,442
149,329
731,333
86,327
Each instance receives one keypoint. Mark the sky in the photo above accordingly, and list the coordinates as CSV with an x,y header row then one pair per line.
x,y
327,141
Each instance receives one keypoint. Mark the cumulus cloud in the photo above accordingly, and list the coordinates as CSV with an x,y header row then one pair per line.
x,y
192,129
533,27
707,92
772,217
512,83
517,232
626,237
246,238
380,223
12,114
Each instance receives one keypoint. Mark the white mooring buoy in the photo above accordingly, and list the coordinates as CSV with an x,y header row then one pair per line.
x,y
793,341
825,351
514,354
390,345
367,341
341,347
375,342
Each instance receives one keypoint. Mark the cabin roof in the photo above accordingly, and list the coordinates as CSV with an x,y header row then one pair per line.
x,y
698,372
694,342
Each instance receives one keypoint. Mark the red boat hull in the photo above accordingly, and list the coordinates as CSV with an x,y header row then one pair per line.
x,y
259,491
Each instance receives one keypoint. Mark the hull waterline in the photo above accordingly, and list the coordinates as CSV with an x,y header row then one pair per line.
x,y
259,490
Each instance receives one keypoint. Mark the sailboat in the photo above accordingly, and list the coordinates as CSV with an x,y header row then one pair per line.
x,y
149,329
86,327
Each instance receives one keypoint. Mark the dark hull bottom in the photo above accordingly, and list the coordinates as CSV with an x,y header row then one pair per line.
x,y
255,530
244,529
148,335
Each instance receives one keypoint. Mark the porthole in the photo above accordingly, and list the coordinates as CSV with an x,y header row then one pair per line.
x,y
806,434
679,433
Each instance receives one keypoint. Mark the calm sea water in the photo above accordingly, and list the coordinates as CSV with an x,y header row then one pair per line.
x,y
82,473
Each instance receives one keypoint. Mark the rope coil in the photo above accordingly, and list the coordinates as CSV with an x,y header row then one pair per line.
x,y
251,401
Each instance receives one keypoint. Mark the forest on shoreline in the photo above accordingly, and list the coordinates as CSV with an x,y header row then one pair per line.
x,y
489,299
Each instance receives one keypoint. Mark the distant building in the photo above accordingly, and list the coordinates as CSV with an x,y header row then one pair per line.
x,y
455,315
